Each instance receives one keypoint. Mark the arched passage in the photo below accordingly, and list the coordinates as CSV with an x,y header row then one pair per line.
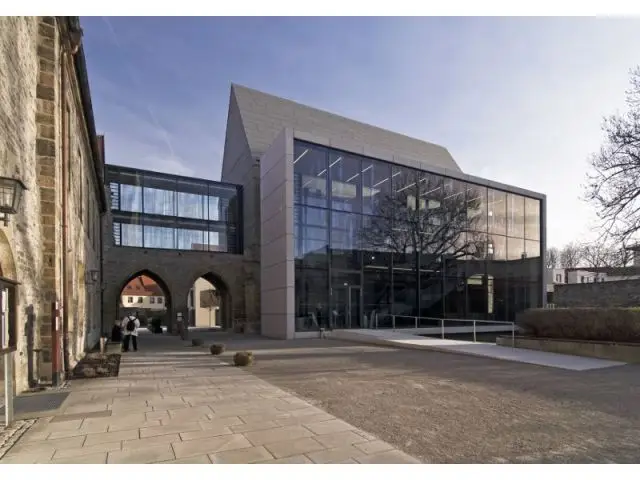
x,y
148,294
209,302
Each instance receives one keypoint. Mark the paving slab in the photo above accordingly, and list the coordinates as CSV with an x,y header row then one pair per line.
x,y
209,445
242,456
150,454
165,407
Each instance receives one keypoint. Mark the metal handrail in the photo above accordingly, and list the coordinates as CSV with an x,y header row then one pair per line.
x,y
442,320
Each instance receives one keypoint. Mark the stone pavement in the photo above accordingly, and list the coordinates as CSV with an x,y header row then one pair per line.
x,y
177,404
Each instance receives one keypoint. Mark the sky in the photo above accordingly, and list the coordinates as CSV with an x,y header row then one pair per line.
x,y
515,100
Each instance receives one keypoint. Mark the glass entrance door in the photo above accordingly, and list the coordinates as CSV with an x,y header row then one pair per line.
x,y
354,307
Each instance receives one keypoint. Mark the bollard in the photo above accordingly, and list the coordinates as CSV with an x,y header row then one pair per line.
x,y
103,345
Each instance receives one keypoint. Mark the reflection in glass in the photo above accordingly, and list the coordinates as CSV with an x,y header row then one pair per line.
x,y
345,240
346,300
498,247
477,208
130,235
159,202
191,239
377,294
532,219
497,212
130,198
311,304
408,243
376,185
159,237
346,179
532,248
515,249
310,173
515,216
311,235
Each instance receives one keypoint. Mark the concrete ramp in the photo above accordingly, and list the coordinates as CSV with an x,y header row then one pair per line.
x,y
394,338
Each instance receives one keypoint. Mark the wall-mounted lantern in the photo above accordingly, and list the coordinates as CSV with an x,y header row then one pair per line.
x,y
11,190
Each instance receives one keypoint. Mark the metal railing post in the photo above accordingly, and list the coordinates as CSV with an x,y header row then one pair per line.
x,y
416,322
442,327
513,335
474,331
393,322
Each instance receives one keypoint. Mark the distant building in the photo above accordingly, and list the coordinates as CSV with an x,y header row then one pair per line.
x,y
144,293
204,304
563,276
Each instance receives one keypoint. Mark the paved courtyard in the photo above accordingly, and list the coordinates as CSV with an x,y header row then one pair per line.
x,y
445,408
178,404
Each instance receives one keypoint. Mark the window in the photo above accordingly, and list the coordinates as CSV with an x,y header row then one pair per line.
x,y
582,279
140,299
152,299
159,300
346,178
497,212
130,300
558,278
310,172
532,219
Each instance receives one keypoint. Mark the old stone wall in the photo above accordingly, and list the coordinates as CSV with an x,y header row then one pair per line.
x,y
43,133
21,241
624,293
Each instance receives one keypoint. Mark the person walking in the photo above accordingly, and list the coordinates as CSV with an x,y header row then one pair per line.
x,y
131,324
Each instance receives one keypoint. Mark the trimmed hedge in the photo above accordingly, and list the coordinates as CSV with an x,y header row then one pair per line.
x,y
593,324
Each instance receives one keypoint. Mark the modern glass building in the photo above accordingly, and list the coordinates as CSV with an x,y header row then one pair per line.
x,y
156,210
373,238
353,226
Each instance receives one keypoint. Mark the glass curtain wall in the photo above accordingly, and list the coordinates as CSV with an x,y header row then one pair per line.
x,y
374,239
154,210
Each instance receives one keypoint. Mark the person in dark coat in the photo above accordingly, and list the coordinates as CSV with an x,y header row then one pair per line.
x,y
116,333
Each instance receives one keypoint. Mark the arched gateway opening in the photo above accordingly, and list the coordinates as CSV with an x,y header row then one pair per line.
x,y
209,303
146,293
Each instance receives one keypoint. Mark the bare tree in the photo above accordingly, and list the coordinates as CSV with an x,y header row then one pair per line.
x,y
603,253
597,254
570,255
437,226
614,184
552,257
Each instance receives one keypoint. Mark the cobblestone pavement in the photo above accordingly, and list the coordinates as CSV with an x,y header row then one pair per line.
x,y
448,408
10,435
177,404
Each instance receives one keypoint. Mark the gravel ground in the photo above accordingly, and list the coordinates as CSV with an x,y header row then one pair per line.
x,y
97,365
448,408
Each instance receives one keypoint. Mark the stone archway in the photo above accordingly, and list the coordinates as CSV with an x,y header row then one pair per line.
x,y
226,300
120,309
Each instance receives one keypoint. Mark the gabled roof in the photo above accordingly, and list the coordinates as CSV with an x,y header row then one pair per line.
x,y
264,116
